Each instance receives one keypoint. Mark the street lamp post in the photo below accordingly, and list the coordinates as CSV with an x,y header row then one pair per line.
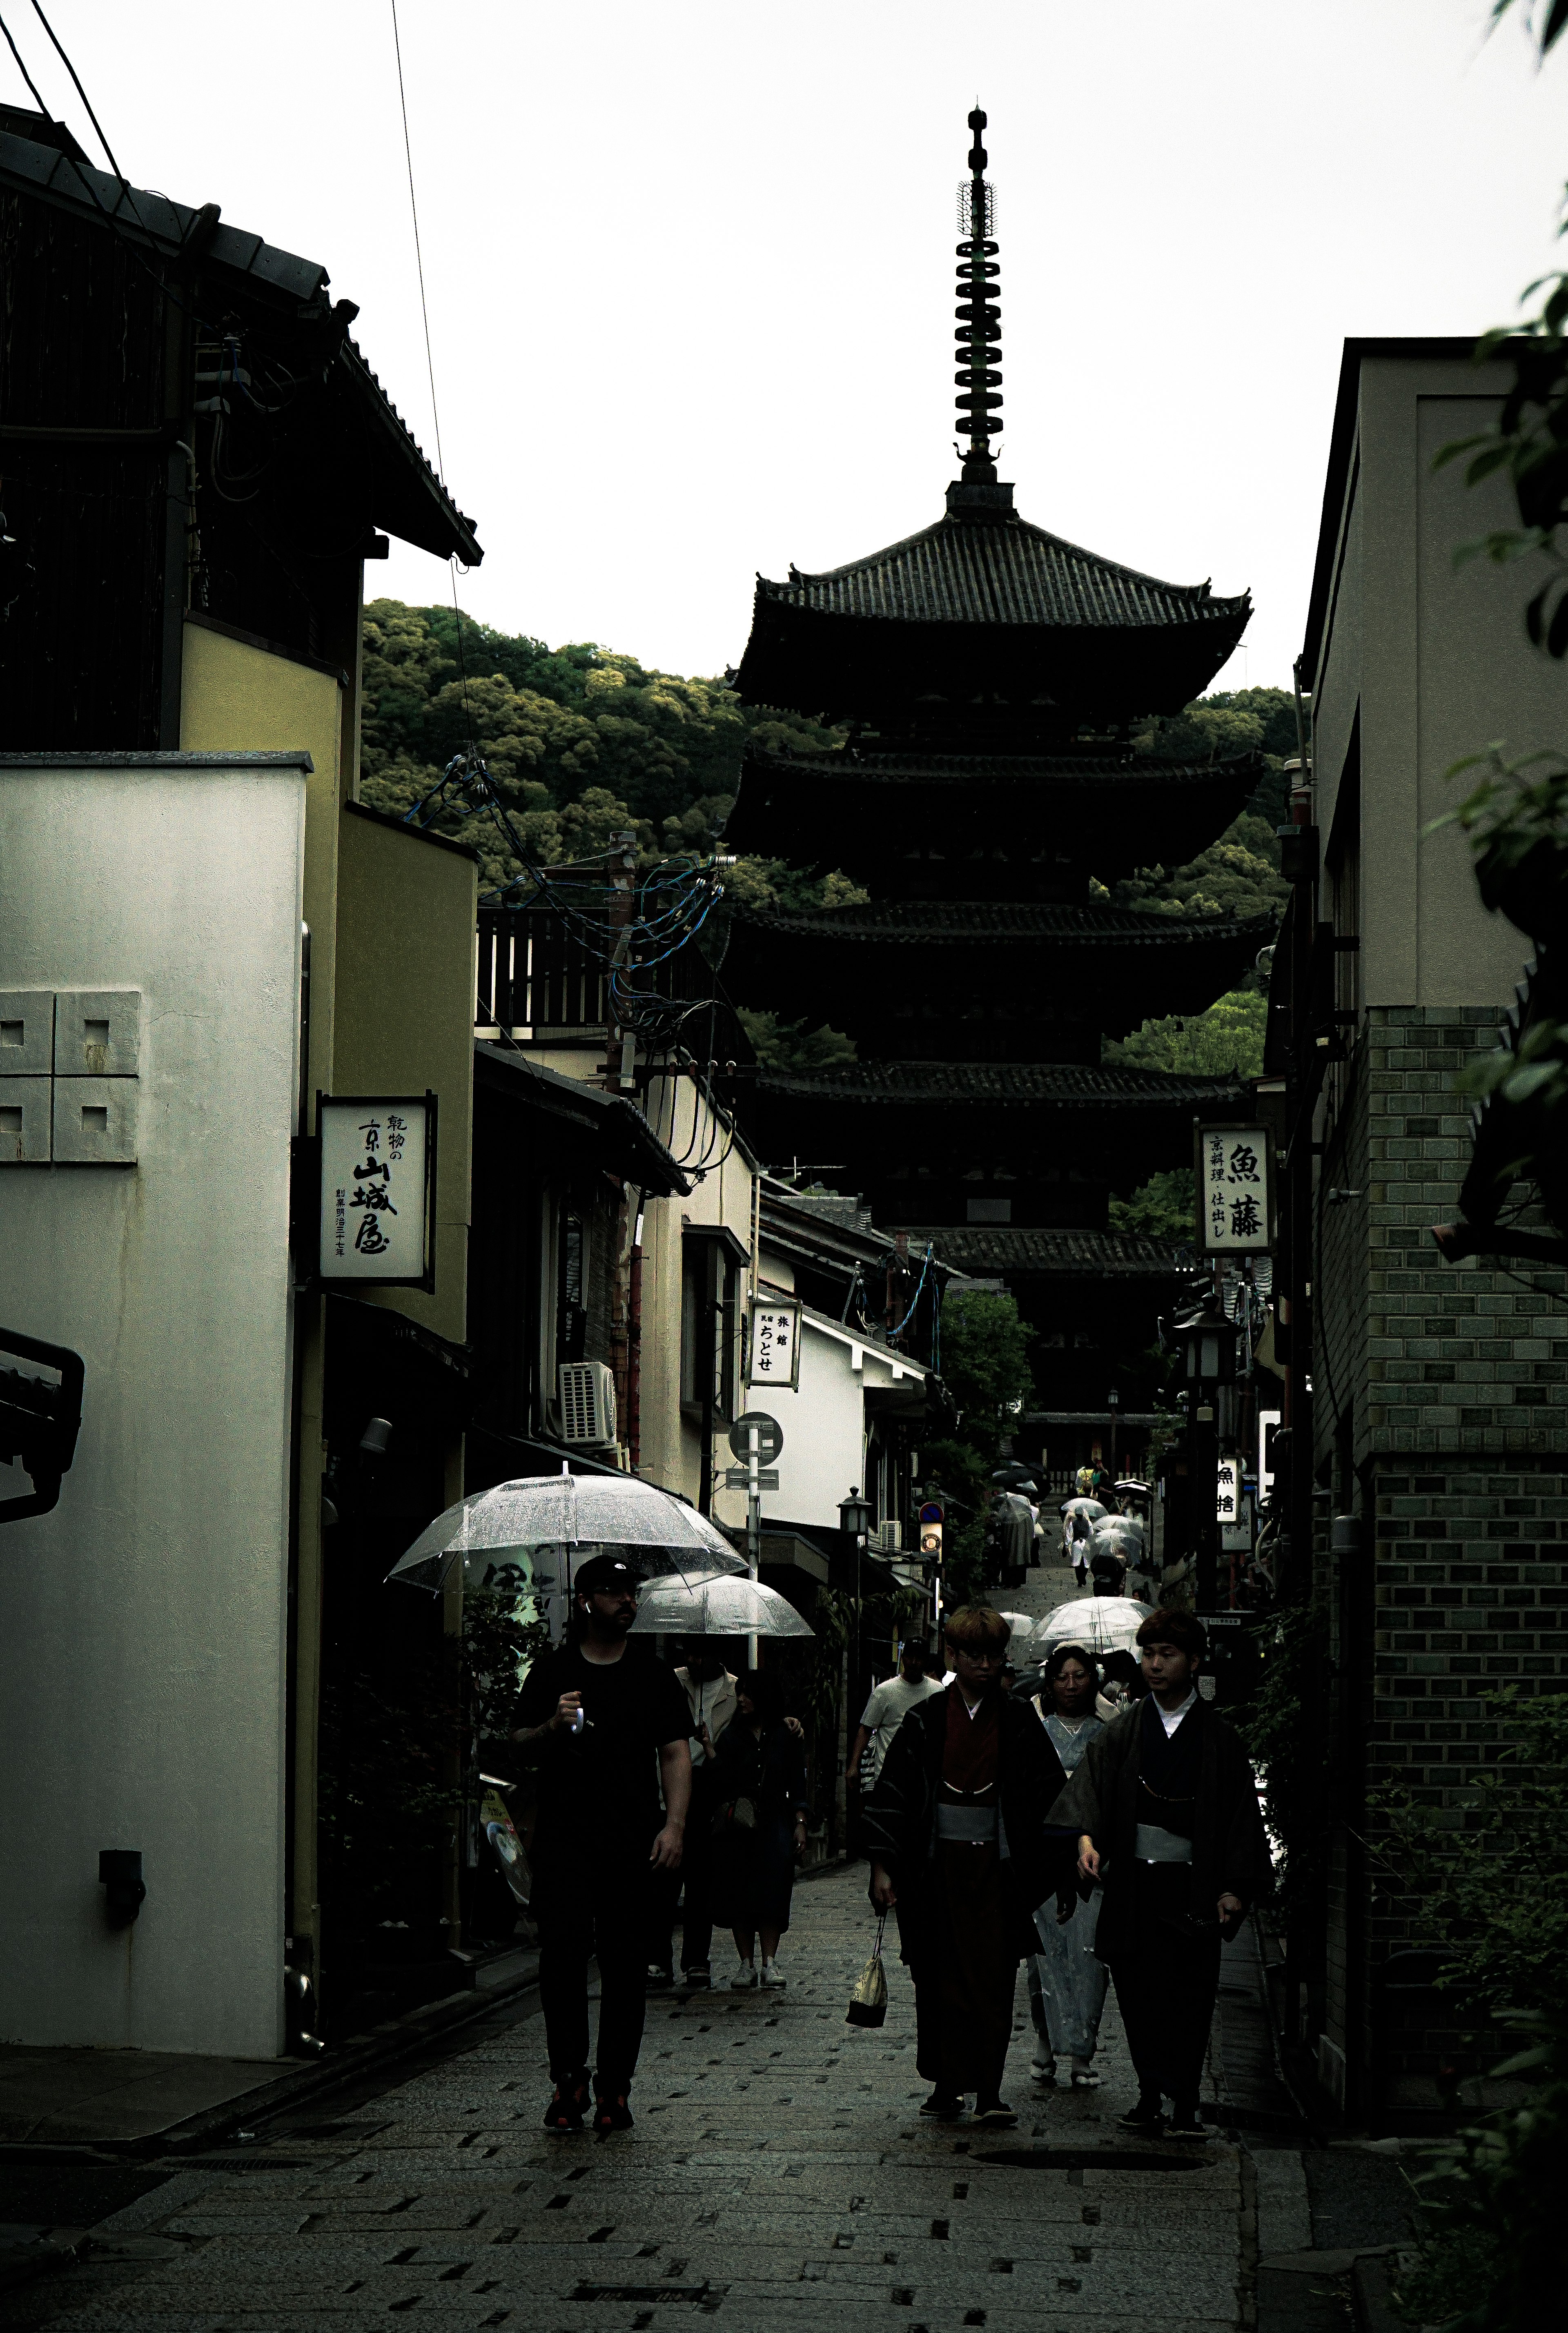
x,y
1206,1340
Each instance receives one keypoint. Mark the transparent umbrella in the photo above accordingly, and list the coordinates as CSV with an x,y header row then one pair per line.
x,y
1101,1624
495,1536
715,1607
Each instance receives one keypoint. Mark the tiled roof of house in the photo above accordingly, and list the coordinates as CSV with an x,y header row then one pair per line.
x,y
980,1249
953,922
1064,1084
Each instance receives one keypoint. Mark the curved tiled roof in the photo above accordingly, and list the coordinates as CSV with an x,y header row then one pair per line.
x,y
980,1248
924,923
1064,1084
1125,768
1006,573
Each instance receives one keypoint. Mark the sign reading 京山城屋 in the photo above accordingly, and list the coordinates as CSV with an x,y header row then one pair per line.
x,y
1233,1194
776,1344
377,1163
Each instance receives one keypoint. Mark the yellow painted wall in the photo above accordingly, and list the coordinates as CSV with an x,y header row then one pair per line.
x,y
238,698
406,911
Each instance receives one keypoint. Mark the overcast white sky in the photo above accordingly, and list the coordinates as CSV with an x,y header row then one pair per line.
x,y
690,262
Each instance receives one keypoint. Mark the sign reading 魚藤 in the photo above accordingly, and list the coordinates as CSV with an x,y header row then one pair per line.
x,y
377,1159
775,1343
1233,1196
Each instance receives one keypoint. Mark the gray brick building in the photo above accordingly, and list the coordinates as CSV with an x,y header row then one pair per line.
x,y
1431,1402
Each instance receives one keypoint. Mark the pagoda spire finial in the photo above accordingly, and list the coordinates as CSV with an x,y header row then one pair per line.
x,y
979,338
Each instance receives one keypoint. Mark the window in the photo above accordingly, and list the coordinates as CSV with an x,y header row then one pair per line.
x,y
712,1265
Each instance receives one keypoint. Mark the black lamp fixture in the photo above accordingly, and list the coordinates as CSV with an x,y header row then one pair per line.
x,y
1207,1341
855,1514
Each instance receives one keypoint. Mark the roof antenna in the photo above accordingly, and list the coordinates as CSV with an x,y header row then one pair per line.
x,y
979,336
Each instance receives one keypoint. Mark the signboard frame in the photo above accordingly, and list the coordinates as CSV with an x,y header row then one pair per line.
x,y
330,1107
1263,1243
775,1308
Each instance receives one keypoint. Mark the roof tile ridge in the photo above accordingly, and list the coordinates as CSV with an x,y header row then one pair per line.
x,y
1097,559
801,576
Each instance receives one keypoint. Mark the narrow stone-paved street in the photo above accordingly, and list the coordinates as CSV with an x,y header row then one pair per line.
x,y
777,2176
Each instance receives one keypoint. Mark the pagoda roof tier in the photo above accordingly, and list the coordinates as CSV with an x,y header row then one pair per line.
x,y
880,813
986,979
984,608
979,1250
1068,1087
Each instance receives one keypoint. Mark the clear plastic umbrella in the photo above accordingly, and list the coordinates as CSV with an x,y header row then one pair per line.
x,y
715,1607
1101,1624
1019,1622
496,1535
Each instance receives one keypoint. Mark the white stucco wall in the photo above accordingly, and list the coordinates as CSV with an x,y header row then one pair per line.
x,y
824,1431
142,1623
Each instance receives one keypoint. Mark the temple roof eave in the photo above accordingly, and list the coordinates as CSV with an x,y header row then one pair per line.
x,y
918,1084
923,924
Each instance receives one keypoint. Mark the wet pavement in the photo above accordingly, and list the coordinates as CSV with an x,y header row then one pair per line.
x,y
778,2177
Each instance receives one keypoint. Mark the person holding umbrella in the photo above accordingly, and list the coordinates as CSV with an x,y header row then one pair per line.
x,y
960,1846
1066,1982
601,1718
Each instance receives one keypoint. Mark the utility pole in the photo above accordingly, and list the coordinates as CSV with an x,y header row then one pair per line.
x,y
620,1044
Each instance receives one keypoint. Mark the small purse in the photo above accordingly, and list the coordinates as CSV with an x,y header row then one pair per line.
x,y
735,1814
869,2001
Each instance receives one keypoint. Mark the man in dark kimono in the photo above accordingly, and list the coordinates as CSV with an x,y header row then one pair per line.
x,y
957,1832
1165,1811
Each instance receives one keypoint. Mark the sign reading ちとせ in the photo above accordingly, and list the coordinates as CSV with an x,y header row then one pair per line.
x,y
776,1344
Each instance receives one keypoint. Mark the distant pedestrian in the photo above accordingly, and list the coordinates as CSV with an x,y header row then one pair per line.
x,y
762,1826
960,1845
885,1712
710,1693
1166,1809
1066,1982
593,1713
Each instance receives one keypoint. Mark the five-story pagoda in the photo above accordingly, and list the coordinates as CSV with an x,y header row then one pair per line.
x,y
991,678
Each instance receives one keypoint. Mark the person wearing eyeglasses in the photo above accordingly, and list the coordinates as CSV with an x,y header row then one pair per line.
x,y
961,1851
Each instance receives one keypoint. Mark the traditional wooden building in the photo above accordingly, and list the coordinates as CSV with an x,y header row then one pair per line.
x,y
991,678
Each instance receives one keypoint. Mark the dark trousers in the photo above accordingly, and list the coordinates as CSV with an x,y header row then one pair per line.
x,y
696,1876
1167,1985
600,1914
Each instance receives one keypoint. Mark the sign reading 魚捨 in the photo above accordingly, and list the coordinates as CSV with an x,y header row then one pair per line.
x,y
776,1344
378,1161
1233,1196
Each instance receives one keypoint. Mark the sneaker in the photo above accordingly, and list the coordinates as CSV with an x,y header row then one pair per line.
x,y
1145,2115
744,1978
770,1979
996,2112
942,2108
696,1979
567,2109
659,1980
1186,2123
611,2112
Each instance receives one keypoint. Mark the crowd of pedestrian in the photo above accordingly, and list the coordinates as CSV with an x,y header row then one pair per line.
x,y
1101,1828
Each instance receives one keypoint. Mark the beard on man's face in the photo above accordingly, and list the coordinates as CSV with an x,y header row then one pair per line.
x,y
614,1614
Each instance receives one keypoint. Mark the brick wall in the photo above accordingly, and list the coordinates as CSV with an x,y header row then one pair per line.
x,y
1457,1379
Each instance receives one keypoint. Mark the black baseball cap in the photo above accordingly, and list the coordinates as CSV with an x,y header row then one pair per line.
x,y
602,1574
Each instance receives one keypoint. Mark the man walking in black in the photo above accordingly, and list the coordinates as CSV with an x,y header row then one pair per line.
x,y
593,1714
1166,1809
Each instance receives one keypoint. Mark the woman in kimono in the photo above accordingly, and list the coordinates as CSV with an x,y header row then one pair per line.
x,y
1066,1982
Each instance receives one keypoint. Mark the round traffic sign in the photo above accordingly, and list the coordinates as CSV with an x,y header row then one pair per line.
x,y
930,1513
769,1436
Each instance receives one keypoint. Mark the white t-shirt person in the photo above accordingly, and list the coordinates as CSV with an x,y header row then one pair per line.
x,y
886,1711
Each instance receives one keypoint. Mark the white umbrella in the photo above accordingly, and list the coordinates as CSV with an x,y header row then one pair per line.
x,y
715,1607
490,1533
1019,1622
1100,1624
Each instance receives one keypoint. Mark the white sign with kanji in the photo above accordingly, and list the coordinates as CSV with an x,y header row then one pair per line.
x,y
1227,1491
1233,1189
375,1189
776,1344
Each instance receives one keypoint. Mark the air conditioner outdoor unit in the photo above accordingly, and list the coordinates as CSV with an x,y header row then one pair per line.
x,y
889,1538
587,1403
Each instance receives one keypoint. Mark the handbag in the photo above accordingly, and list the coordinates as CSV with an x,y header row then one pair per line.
x,y
735,1814
869,2001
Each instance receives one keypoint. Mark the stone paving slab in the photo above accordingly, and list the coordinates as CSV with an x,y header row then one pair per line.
x,y
778,2180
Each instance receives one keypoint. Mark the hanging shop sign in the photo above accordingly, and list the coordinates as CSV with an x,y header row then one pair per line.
x,y
378,1177
776,1344
1234,1189
1227,1491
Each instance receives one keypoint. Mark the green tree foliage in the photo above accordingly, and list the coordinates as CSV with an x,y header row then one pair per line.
x,y
1238,875
1224,1041
582,743
781,1044
985,1368
1161,1209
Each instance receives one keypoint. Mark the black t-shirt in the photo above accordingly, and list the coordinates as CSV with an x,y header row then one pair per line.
x,y
599,1788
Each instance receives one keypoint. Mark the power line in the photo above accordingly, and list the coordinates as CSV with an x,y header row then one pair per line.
x,y
80,93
